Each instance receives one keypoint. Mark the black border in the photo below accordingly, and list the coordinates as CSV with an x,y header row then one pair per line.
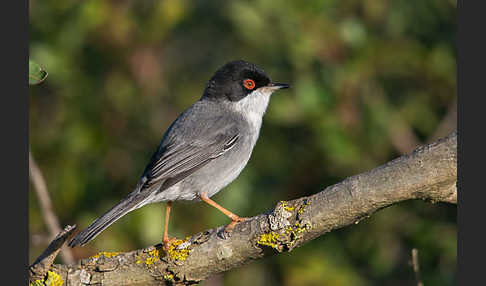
x,y
470,45
14,128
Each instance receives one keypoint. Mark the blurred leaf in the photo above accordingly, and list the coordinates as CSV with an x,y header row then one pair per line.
x,y
36,74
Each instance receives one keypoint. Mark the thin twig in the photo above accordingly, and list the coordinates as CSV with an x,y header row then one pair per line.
x,y
402,135
48,214
448,123
416,267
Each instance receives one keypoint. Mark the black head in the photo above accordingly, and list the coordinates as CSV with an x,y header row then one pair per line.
x,y
235,80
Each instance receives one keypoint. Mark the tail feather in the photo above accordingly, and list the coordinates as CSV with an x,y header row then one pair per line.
x,y
101,223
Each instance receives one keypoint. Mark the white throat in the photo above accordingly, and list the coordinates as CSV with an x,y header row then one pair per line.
x,y
253,106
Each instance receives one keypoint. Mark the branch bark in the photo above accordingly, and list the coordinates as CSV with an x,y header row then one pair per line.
x,y
428,173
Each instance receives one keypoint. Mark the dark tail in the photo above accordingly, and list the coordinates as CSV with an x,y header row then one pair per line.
x,y
101,223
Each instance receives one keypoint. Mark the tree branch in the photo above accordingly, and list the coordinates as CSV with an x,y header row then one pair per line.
x,y
42,264
428,173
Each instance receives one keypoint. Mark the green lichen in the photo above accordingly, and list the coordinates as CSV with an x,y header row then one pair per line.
x,y
286,206
178,254
269,239
52,279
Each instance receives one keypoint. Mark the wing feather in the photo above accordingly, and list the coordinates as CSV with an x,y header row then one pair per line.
x,y
174,163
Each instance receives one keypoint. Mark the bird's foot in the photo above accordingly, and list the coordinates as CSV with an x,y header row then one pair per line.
x,y
166,241
235,220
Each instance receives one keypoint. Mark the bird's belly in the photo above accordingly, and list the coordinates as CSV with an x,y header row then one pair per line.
x,y
218,174
213,177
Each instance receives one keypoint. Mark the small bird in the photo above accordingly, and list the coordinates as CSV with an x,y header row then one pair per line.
x,y
203,150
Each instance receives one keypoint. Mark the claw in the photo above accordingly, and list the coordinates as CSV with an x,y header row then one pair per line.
x,y
233,223
167,242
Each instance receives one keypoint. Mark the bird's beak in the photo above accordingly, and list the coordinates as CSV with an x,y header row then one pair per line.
x,y
276,86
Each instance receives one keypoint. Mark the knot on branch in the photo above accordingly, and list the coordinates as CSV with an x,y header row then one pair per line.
x,y
287,224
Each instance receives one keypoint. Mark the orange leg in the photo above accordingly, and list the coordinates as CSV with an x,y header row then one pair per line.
x,y
165,239
234,218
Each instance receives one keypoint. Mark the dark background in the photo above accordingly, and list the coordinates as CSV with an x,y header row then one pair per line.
x,y
370,81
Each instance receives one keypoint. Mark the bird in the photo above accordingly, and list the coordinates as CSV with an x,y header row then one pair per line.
x,y
203,150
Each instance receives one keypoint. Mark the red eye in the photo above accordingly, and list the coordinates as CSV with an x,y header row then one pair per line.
x,y
249,84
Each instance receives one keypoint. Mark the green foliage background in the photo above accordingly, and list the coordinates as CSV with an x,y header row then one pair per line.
x,y
370,81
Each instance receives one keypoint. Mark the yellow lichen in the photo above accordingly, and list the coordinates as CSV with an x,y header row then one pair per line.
x,y
154,255
295,231
286,206
302,208
269,239
37,283
105,254
169,277
178,254
52,279
289,235
150,257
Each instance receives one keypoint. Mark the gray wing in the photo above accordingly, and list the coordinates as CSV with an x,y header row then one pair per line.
x,y
173,163
199,135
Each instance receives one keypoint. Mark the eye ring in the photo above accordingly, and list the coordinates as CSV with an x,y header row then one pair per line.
x,y
249,84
